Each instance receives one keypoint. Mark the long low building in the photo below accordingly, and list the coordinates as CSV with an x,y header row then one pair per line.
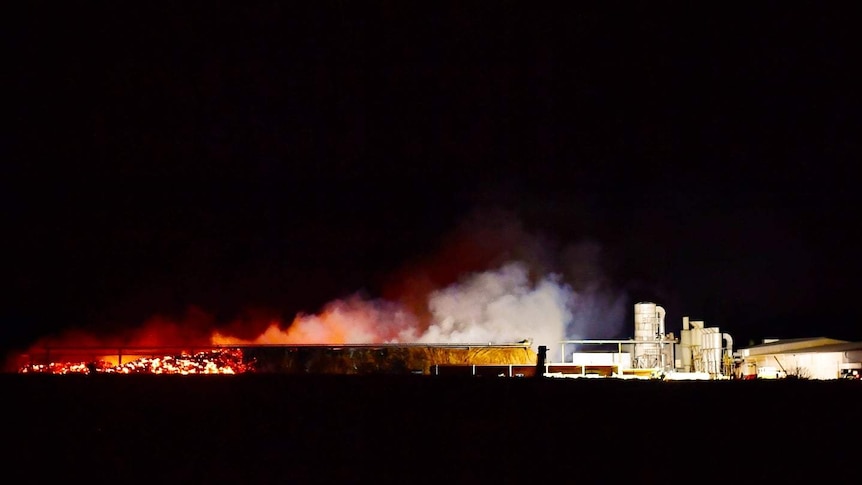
x,y
385,358
286,359
806,358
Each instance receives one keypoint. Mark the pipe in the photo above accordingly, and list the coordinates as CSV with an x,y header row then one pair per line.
x,y
729,347
661,314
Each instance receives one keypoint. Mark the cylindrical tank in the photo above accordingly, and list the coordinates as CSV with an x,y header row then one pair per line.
x,y
646,321
711,344
649,324
696,341
685,349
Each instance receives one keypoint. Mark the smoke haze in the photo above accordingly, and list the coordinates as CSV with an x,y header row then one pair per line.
x,y
599,309
501,306
493,282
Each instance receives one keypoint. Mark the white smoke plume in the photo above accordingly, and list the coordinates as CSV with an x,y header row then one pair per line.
x,y
531,291
597,314
599,311
497,306
523,298
501,306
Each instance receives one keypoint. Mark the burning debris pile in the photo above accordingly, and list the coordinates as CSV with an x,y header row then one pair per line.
x,y
473,320
491,285
217,361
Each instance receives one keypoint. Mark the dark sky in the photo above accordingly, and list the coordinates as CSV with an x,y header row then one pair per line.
x,y
232,155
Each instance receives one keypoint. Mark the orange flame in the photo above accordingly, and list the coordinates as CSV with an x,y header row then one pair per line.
x,y
352,321
402,317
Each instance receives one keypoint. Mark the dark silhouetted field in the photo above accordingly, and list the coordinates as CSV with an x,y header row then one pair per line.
x,y
350,429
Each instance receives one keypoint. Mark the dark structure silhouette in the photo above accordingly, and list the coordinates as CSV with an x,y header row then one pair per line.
x,y
540,361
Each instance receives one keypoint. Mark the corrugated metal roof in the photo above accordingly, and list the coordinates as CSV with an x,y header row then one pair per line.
x,y
810,340
840,347
795,345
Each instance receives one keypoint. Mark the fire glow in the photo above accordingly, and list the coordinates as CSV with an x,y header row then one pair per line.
x,y
218,361
500,306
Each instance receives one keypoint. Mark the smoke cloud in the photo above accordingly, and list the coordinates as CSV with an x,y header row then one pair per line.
x,y
496,306
599,309
353,320
494,283
501,306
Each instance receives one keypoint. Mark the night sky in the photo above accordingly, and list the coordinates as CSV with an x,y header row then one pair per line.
x,y
236,156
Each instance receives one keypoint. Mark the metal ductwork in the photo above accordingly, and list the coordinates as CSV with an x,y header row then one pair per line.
x,y
660,313
728,348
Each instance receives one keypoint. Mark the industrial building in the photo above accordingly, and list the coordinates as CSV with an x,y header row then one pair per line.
x,y
804,358
652,352
700,353
705,352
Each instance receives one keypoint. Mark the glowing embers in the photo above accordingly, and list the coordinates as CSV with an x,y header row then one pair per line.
x,y
219,361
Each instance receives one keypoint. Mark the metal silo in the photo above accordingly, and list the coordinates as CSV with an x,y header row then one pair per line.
x,y
685,346
696,345
711,344
649,330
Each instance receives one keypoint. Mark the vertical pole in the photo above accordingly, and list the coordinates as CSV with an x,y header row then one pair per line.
x,y
673,355
661,353
540,361
619,358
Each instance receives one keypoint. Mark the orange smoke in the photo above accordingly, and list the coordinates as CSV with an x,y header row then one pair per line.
x,y
348,321
352,321
402,315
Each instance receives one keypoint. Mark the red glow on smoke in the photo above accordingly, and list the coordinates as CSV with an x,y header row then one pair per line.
x,y
401,315
483,241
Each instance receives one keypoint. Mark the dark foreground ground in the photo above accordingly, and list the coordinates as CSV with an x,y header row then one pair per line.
x,y
423,429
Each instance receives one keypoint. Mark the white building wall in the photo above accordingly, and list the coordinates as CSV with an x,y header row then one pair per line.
x,y
819,365
814,365
624,359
